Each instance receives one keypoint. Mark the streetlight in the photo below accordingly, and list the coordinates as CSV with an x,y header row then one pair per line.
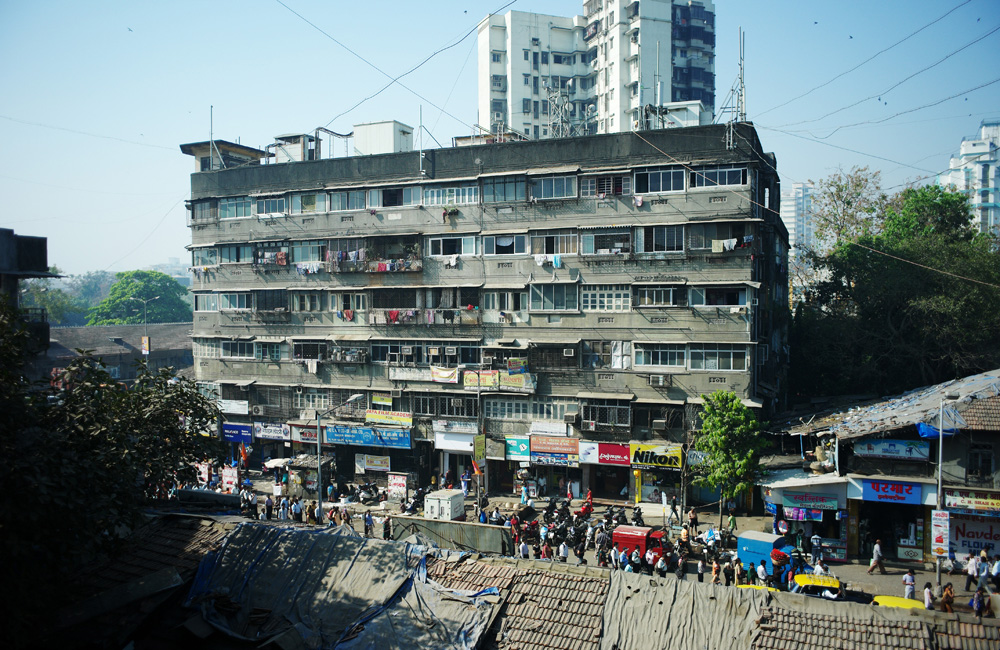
x,y
940,497
144,302
319,450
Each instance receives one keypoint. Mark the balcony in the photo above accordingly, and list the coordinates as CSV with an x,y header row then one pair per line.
x,y
279,315
453,317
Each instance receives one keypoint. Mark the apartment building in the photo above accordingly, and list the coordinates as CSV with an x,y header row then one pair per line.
x,y
571,298
975,170
611,70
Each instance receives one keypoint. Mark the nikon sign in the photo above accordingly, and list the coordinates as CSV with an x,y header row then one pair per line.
x,y
645,456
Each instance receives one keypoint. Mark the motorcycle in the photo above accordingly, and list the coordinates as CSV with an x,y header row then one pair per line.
x,y
586,510
637,519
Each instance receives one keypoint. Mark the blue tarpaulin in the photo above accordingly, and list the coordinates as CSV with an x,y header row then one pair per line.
x,y
928,431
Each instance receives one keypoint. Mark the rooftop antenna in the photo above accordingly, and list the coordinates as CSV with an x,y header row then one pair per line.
x,y
742,97
211,138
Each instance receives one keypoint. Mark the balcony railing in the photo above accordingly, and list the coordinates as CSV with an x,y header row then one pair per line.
x,y
399,265
426,317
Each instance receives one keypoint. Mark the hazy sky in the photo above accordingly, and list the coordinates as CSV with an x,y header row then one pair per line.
x,y
95,97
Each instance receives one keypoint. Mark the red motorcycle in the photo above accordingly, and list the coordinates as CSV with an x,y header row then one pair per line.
x,y
586,510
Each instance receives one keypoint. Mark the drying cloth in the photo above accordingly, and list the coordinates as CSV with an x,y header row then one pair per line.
x,y
557,261
716,245
540,259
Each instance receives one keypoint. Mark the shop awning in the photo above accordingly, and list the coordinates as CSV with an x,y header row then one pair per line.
x,y
723,283
506,284
614,226
555,169
792,478
659,400
242,383
269,339
425,338
586,394
348,337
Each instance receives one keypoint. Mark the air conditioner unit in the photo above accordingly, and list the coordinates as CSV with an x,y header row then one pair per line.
x,y
407,349
457,402
569,352
487,360
451,351
588,425
570,418
433,352
396,393
658,380
257,410
659,425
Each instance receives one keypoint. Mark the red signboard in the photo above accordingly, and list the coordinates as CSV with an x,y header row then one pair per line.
x,y
612,454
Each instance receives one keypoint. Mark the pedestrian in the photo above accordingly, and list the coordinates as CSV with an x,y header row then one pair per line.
x,y
800,538
971,571
623,558
685,538
983,570
547,550
253,503
581,548
649,559
311,513
701,570
387,528
928,596
269,508
716,571
980,602
563,551
369,524
329,492
948,598
465,482
636,559
692,521
283,510
995,573
524,550
731,522
613,557
762,573
661,567
727,573
296,510
673,509
816,548
909,585
752,574
877,558
681,571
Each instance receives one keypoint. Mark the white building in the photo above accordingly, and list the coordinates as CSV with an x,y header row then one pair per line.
x,y
797,214
610,70
976,171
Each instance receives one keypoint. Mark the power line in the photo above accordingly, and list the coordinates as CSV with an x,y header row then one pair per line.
x,y
92,135
868,60
923,266
835,146
146,238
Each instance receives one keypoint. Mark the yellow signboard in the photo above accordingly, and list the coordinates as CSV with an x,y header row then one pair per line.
x,y
645,456
393,418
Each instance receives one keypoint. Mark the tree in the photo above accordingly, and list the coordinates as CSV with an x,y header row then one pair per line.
x,y
124,306
91,288
847,205
914,304
60,306
730,436
77,463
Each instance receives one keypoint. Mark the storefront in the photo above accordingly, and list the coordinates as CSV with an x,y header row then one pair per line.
x,y
236,434
894,510
454,441
517,457
812,503
272,440
973,521
659,468
351,441
555,463
606,469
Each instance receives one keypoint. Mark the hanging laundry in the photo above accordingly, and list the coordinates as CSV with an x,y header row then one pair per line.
x,y
381,267
311,365
729,244
637,200
347,314
557,261
393,316
454,261
430,316
361,255
352,255
282,258
748,239
540,259
716,245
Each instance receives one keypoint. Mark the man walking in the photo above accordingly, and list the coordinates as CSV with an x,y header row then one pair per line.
x,y
971,571
673,509
816,548
877,558
909,585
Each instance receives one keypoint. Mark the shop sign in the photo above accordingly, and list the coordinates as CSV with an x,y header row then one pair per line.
x,y
612,454
518,448
385,399
234,406
457,442
813,501
971,534
237,432
644,456
770,508
548,428
588,453
271,431
454,426
341,434
204,472
444,375
516,366
916,450
230,479
392,418
939,533
890,492
479,450
476,379
973,502
546,450
304,434
397,486
517,383
365,462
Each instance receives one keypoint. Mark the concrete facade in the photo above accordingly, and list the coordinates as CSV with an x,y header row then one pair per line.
x,y
975,170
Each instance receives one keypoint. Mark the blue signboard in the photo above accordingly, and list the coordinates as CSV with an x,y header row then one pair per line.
x,y
890,491
237,432
339,434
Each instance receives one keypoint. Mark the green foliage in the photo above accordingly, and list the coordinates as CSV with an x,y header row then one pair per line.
x,y
76,464
91,288
60,306
124,306
848,205
730,436
901,308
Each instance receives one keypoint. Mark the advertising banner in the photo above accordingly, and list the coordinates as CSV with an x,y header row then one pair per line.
x,y
271,431
814,501
397,486
646,456
453,426
145,345
230,479
890,491
518,448
547,450
383,399
588,453
971,534
516,366
204,472
237,432
377,463
916,450
340,434
940,533
392,418
444,375
477,379
973,502
234,406
479,450
304,434
604,453
517,383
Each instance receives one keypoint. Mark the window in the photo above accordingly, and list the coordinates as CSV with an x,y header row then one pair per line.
x,y
601,186
240,254
607,354
309,350
554,297
268,351
458,406
271,253
353,200
237,207
498,106
606,297
658,296
545,107
659,354
505,409
504,189
206,302
659,179
718,356
608,413
206,210
718,296
348,301
548,408
503,245
702,235
271,300
505,300
423,404
204,257
452,246
553,187
660,239
235,301
307,301
545,57
564,59
554,242
606,242
980,470
308,251
391,197
526,55
525,105
271,206
498,82
208,389
311,398
206,348
721,175
237,349
496,57
306,203
460,195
